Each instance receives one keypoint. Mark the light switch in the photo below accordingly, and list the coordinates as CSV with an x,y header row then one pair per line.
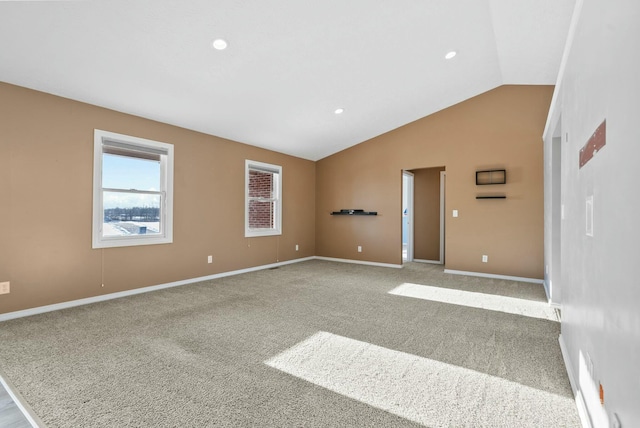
x,y
455,213
589,219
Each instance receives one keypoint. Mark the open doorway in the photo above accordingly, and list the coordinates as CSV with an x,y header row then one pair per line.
x,y
423,215
407,216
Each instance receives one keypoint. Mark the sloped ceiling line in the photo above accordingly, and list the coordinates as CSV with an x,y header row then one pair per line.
x,y
288,65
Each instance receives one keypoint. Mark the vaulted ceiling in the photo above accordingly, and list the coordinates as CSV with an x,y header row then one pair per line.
x,y
288,64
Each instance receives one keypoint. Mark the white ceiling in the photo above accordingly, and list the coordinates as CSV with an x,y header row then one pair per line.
x,y
289,64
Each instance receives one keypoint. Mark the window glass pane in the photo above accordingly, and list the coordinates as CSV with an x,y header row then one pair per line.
x,y
261,214
122,172
127,214
261,184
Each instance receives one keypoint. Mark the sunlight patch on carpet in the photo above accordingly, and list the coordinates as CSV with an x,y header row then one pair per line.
x,y
492,302
419,389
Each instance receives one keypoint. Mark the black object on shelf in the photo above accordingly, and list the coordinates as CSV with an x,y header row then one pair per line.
x,y
491,197
354,212
492,176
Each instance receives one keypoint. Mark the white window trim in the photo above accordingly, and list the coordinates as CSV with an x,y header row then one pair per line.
x,y
249,233
166,178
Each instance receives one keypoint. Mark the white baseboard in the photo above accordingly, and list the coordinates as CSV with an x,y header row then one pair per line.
x,y
547,287
490,275
568,365
110,296
583,413
20,403
358,262
546,290
433,262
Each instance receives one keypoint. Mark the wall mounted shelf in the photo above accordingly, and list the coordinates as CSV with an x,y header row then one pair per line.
x,y
354,212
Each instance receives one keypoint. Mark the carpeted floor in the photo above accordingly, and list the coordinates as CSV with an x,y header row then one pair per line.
x,y
310,344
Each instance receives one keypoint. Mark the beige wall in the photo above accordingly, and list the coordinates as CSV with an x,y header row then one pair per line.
x,y
426,213
46,147
46,152
501,128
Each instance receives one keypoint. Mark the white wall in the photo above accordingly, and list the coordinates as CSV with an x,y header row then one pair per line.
x,y
600,279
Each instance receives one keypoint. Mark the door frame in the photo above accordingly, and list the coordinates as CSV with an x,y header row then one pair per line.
x,y
443,179
553,268
410,187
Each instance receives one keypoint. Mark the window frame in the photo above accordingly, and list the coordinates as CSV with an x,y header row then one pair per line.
x,y
166,153
263,167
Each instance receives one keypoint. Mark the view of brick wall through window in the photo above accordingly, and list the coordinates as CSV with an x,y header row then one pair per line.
x,y
261,212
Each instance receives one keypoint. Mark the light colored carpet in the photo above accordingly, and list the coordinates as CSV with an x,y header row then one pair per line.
x,y
310,344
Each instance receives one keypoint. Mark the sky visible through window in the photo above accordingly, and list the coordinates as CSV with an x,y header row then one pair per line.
x,y
121,172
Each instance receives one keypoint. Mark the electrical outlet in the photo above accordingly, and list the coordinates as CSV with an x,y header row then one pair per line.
x,y
359,248
5,287
485,258
455,213
210,259
297,247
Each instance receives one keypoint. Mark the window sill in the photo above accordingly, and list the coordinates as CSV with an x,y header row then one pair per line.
x,y
254,233
130,242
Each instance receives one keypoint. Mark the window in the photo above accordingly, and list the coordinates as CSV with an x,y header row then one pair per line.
x,y
132,191
263,201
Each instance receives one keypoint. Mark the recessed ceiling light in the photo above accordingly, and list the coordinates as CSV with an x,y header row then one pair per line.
x,y
450,54
339,110
220,44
